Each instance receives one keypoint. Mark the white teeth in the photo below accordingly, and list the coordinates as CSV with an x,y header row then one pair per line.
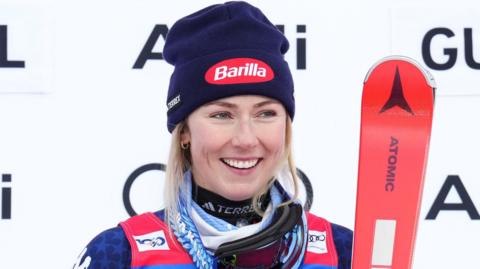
x,y
241,164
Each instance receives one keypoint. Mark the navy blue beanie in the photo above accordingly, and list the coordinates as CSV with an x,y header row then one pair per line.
x,y
225,50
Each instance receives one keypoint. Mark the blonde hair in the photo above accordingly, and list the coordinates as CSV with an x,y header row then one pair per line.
x,y
179,161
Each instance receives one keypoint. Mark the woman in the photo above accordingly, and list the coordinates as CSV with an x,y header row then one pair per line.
x,y
232,194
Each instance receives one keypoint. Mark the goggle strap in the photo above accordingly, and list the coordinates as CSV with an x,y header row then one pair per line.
x,y
290,215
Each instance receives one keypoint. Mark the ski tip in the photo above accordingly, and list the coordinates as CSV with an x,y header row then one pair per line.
x,y
428,77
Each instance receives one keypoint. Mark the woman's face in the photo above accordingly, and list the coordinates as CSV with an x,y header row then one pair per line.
x,y
237,144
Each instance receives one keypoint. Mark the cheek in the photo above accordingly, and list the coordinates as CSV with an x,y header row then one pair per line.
x,y
274,141
205,142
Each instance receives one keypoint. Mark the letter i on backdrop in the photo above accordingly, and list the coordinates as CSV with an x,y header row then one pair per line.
x,y
6,197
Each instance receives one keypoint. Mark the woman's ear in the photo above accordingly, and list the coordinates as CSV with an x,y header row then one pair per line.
x,y
185,135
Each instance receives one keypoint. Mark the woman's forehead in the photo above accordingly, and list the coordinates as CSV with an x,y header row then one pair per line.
x,y
251,100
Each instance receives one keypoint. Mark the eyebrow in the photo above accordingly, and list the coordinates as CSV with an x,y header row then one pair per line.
x,y
231,105
267,102
220,103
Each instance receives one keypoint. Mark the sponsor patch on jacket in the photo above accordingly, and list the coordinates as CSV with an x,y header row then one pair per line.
x,y
239,70
317,242
151,241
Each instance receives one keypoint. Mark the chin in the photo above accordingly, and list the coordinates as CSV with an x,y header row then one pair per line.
x,y
238,194
241,188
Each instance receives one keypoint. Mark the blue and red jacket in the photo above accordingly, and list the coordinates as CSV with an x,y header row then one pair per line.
x,y
143,242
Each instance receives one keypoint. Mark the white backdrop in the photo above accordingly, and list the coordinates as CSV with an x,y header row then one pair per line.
x,y
77,120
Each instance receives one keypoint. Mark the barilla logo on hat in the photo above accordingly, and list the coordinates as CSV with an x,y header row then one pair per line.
x,y
239,70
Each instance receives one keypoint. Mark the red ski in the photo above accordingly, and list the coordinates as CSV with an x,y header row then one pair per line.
x,y
397,107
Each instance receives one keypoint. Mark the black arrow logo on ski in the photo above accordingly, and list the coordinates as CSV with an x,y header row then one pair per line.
x,y
396,96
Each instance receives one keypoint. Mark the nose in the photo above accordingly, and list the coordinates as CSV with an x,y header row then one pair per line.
x,y
244,135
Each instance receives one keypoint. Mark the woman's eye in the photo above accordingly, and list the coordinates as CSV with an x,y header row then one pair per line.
x,y
221,115
267,114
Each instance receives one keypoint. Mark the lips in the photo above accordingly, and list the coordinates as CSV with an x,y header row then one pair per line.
x,y
241,164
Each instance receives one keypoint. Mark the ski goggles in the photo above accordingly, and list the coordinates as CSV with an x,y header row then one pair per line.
x,y
281,245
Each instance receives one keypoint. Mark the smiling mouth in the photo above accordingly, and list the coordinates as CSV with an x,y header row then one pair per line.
x,y
241,164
